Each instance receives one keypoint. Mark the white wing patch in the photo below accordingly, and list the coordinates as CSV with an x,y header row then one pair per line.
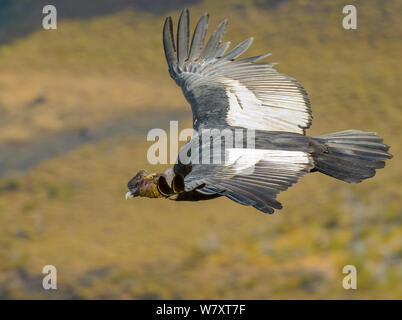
x,y
245,110
244,160
278,106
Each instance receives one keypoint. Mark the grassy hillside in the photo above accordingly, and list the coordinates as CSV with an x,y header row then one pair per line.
x,y
114,63
71,212
98,68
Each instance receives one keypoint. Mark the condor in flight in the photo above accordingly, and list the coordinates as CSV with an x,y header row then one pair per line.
x,y
270,109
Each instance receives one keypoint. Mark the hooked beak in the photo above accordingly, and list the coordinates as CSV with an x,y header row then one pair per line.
x,y
132,193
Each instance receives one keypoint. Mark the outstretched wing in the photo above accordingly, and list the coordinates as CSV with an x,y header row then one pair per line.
x,y
249,176
224,91
260,176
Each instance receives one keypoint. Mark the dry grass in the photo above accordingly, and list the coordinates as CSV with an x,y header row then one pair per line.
x,y
77,219
42,102
69,211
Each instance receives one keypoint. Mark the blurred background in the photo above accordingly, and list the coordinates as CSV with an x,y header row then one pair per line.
x,y
76,104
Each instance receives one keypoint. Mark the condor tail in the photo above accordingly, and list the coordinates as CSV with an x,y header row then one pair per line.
x,y
351,155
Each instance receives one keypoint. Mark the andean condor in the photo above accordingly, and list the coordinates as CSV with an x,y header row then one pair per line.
x,y
249,123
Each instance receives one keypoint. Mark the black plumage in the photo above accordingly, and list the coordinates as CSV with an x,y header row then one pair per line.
x,y
235,101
